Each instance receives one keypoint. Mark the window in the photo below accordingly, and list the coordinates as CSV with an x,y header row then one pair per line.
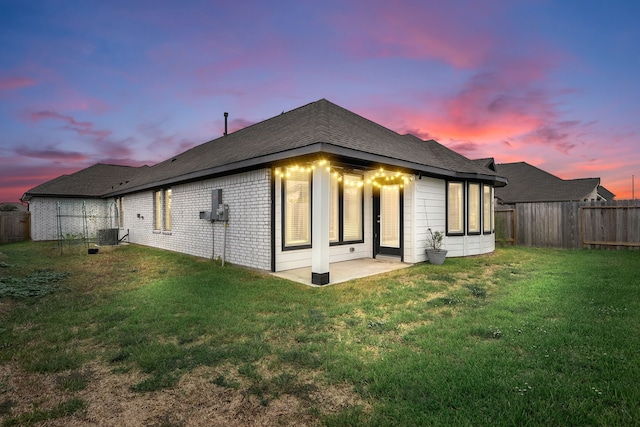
x,y
352,208
121,212
162,210
345,209
297,209
474,208
167,210
487,204
157,210
334,209
455,208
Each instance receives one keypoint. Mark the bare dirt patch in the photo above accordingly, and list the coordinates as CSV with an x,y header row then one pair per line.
x,y
195,401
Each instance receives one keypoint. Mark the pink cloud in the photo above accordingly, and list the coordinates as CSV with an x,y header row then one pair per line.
x,y
419,30
81,128
51,153
511,104
17,177
13,83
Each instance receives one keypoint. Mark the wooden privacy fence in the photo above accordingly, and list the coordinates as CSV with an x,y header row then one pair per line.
x,y
614,224
14,226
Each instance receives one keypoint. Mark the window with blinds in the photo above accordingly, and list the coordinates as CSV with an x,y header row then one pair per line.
x,y
297,201
334,209
474,208
167,209
157,210
455,208
121,212
487,204
352,208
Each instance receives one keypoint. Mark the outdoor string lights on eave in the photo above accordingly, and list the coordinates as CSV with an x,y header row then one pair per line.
x,y
380,178
383,177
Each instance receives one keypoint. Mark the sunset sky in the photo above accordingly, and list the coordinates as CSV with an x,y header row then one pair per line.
x,y
552,83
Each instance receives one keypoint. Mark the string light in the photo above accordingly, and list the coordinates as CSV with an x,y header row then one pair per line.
x,y
378,179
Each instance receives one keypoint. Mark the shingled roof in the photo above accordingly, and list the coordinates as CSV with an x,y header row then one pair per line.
x,y
320,128
93,181
527,183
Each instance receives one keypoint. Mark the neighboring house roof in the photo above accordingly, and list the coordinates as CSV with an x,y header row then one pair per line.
x,y
605,193
488,162
93,181
13,206
320,128
528,183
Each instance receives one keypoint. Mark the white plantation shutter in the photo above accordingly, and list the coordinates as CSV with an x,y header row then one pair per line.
x,y
157,210
352,208
297,209
121,212
474,207
487,202
167,209
334,206
390,216
455,208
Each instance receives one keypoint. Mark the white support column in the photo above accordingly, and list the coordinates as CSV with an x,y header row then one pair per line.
x,y
320,224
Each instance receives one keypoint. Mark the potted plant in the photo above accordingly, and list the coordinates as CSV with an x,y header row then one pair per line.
x,y
435,253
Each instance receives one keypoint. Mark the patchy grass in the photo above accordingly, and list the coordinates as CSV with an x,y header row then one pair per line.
x,y
522,336
39,415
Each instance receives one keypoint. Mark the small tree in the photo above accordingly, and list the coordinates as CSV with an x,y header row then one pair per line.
x,y
434,239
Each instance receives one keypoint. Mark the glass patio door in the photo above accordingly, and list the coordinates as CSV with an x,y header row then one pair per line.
x,y
387,221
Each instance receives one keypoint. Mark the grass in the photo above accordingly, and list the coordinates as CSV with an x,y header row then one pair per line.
x,y
520,337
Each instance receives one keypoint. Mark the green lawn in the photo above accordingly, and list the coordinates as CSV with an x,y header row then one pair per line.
x,y
519,337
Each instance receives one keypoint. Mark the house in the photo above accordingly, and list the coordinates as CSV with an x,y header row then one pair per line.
x,y
529,184
312,186
12,207
540,209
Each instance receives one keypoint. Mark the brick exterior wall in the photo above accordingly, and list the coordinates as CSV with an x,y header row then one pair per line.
x,y
51,216
248,233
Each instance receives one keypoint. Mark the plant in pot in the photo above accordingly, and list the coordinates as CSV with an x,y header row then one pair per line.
x,y
435,253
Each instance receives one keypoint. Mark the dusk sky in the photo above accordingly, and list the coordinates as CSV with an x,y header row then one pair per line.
x,y
552,83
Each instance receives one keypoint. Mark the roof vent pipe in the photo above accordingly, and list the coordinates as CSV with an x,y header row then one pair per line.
x,y
225,123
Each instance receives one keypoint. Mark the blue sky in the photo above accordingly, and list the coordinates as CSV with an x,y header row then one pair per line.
x,y
552,83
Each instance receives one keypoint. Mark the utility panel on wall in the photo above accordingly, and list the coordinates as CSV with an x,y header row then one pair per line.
x,y
219,210
216,199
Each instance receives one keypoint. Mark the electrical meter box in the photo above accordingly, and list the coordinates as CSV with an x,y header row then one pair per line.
x,y
222,213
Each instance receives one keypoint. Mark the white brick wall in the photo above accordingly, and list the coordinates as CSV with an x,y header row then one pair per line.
x,y
44,213
47,221
248,232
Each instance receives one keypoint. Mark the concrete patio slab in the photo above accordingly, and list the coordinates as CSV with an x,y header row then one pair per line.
x,y
346,270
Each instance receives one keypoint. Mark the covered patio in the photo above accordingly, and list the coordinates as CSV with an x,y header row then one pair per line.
x,y
347,270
